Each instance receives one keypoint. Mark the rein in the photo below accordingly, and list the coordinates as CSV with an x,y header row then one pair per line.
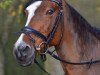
x,y
28,31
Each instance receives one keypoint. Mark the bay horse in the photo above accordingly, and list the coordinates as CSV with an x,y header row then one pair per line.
x,y
56,23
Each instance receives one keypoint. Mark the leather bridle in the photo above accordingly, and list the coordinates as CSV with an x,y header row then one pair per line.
x,y
28,31
46,40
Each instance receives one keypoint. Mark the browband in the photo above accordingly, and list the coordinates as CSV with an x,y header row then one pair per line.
x,y
58,2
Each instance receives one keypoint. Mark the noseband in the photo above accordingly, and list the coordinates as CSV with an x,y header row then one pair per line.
x,y
27,31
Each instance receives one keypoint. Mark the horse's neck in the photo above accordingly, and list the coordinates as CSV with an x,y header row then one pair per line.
x,y
79,36
78,44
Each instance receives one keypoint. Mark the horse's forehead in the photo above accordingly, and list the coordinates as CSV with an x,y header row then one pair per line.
x,y
33,6
31,10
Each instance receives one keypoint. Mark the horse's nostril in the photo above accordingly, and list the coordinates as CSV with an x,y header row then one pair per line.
x,y
22,52
23,48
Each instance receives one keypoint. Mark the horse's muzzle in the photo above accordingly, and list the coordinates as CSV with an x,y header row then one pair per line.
x,y
24,55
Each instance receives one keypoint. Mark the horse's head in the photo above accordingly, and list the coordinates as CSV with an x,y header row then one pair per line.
x,y
41,17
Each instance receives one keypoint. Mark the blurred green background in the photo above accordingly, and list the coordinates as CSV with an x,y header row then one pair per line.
x,y
12,19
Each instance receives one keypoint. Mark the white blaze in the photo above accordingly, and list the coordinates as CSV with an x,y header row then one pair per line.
x,y
31,11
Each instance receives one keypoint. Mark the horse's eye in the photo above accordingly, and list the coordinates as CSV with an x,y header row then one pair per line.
x,y
50,12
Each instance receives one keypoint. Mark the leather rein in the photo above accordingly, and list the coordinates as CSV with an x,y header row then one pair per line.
x,y
27,31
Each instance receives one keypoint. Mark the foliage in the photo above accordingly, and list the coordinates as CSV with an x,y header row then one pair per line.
x,y
11,20
5,4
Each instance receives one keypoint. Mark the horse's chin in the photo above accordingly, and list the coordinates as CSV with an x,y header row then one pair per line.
x,y
25,64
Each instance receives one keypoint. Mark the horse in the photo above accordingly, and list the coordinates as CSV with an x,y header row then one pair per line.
x,y
56,23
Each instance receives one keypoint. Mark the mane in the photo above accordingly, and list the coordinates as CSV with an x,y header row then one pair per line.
x,y
81,25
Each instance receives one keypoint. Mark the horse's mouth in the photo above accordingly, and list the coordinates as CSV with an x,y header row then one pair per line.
x,y
27,61
25,64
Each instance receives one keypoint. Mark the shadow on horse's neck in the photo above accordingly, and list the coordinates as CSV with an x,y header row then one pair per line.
x,y
80,42
80,37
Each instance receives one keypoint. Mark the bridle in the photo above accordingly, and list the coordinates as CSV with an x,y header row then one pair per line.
x,y
46,40
27,30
